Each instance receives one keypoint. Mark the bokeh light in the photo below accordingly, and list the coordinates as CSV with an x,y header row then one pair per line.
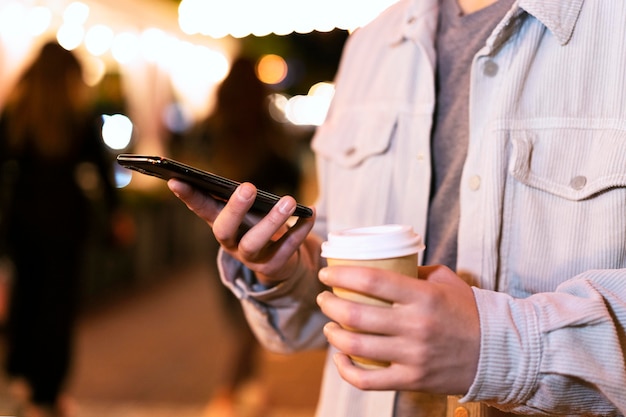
x,y
98,39
38,20
125,47
76,13
117,131
271,69
70,36
194,71
312,108
193,65
122,176
277,107
150,43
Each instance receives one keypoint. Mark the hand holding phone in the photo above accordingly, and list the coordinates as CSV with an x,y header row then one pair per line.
x,y
219,187
269,245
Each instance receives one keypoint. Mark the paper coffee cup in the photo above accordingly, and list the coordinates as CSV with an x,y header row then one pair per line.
x,y
392,247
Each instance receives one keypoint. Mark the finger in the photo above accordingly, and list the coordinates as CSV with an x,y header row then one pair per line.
x,y
383,284
227,225
276,218
364,379
384,330
364,345
204,206
253,245
353,374
283,256
292,239
373,319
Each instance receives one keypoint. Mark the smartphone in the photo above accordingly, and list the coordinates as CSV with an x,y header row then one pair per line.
x,y
218,187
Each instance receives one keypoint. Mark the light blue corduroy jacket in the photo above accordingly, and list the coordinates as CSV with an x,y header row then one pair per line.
x,y
543,200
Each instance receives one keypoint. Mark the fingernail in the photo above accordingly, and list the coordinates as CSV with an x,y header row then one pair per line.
x,y
318,299
285,206
245,192
323,274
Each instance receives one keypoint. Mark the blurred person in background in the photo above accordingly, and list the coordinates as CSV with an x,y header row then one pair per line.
x,y
52,159
240,140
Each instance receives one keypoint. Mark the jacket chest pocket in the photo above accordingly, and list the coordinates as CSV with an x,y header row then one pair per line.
x,y
565,205
359,135
355,158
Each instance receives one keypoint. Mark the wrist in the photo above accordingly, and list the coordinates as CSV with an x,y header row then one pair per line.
x,y
290,270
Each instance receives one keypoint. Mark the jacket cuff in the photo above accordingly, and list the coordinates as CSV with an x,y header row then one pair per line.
x,y
510,350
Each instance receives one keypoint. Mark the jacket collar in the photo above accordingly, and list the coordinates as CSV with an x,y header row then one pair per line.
x,y
558,16
420,17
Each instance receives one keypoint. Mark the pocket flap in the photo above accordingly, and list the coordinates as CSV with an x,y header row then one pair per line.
x,y
575,164
353,136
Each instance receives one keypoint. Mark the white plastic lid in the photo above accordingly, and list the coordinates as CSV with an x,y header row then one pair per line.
x,y
376,242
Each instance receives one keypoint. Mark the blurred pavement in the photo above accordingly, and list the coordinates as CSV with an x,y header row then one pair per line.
x,y
162,349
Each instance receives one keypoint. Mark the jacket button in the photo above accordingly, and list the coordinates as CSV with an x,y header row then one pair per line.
x,y
578,183
490,69
474,182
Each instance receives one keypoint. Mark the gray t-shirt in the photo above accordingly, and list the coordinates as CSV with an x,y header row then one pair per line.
x,y
459,38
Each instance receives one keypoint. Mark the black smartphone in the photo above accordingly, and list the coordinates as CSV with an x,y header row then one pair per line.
x,y
218,187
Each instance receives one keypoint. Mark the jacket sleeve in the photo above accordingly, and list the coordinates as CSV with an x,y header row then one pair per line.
x,y
568,345
285,318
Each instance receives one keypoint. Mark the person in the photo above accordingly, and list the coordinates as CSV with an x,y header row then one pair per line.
x,y
240,140
48,143
496,130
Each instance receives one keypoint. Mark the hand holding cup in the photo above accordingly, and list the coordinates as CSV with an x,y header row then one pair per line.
x,y
391,247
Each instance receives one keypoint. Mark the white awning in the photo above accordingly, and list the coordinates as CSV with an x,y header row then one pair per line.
x,y
240,18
